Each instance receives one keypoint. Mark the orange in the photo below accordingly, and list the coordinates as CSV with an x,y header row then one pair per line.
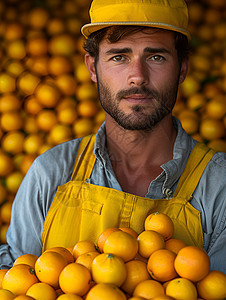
x,y
192,263
32,143
55,25
86,259
64,252
19,279
87,108
27,82
69,297
212,286
27,259
37,46
46,119
82,247
67,84
42,291
82,73
58,65
136,298
39,65
175,245
2,274
3,231
6,164
188,113
216,108
100,117
13,142
26,162
83,126
60,133
161,223
38,17
9,102
196,101
136,273
148,289
3,193
48,94
66,103
190,86
163,297
62,44
211,129
32,105
24,297
130,231
49,266
103,236
7,83
105,291
190,124
14,30
5,212
75,279
181,288
16,49
67,115
30,124
86,91
12,120
161,265
109,268
122,244
149,241
6,295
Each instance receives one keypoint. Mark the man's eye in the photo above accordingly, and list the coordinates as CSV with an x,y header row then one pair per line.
x,y
157,58
118,58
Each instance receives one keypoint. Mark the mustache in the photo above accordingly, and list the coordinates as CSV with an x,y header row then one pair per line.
x,y
139,91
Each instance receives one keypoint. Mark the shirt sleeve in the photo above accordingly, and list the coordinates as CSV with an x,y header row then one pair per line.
x,y
33,200
210,200
27,217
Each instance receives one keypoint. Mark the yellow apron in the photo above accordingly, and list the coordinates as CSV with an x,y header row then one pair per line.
x,y
81,211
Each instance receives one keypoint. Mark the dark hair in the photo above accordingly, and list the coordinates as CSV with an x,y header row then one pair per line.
x,y
115,33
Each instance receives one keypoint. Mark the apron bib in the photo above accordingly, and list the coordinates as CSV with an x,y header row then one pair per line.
x,y
82,211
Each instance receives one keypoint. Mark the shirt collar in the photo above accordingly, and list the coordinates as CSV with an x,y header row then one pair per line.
x,y
172,170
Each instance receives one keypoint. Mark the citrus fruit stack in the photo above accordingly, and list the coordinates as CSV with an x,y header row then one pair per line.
x,y
120,265
47,97
201,105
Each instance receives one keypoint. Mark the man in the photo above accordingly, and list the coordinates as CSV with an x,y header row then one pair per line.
x,y
141,160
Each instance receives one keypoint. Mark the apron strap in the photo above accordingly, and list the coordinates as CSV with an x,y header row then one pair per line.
x,y
83,166
198,159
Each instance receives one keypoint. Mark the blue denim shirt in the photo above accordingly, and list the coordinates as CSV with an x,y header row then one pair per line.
x,y
55,166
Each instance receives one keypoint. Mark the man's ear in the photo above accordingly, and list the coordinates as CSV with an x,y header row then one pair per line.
x,y
183,70
90,64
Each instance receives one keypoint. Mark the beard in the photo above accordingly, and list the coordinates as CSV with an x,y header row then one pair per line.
x,y
141,117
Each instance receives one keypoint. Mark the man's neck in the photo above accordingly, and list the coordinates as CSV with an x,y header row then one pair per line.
x,y
139,148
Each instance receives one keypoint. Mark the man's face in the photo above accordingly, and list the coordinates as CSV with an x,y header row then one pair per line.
x,y
138,78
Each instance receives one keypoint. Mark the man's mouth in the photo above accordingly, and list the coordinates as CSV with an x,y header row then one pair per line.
x,y
138,98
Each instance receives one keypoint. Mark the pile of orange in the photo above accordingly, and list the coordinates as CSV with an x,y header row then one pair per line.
x,y
47,97
120,265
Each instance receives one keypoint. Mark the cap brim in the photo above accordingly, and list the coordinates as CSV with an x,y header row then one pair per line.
x,y
87,29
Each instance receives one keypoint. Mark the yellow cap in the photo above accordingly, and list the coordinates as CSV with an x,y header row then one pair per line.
x,y
166,14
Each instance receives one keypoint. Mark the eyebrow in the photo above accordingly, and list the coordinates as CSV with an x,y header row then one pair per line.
x,y
129,50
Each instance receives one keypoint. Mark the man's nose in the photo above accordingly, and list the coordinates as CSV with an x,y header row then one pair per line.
x,y
138,73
